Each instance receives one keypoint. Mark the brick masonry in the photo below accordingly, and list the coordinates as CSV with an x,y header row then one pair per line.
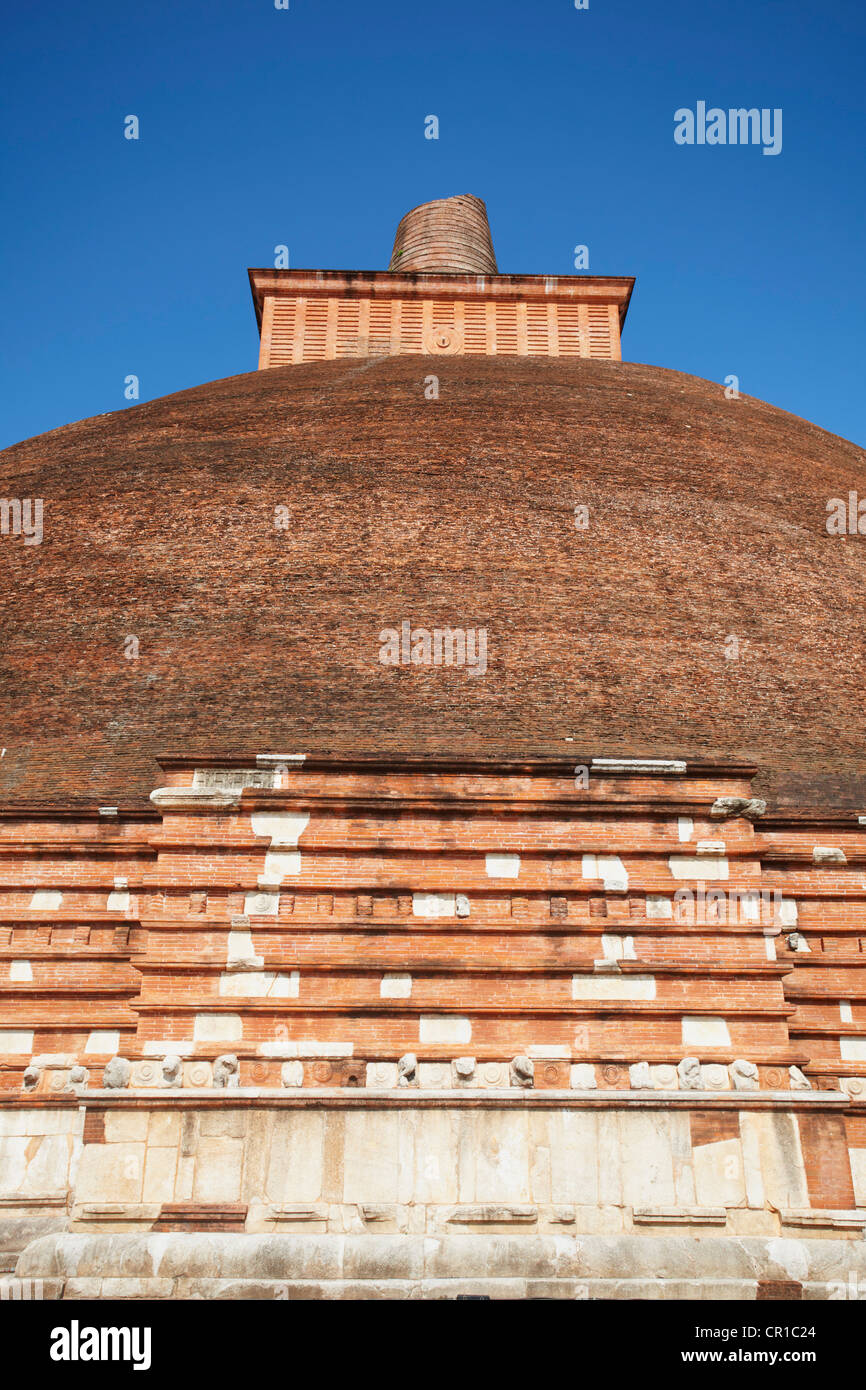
x,y
160,523
369,911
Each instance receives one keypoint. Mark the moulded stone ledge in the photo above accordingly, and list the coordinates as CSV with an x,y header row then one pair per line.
x,y
819,1217
194,798
617,1265
492,1215
680,1216
464,1097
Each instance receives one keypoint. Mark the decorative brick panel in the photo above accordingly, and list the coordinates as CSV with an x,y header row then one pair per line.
x,y
400,319
825,1155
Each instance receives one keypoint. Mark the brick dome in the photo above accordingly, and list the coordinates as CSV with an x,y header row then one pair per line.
x,y
706,522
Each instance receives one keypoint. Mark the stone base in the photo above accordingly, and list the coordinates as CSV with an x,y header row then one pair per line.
x,y
231,1266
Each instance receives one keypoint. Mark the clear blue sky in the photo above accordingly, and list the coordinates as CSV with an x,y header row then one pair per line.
x,y
305,127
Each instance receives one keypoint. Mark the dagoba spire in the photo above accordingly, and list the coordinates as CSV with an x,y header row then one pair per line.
x,y
449,235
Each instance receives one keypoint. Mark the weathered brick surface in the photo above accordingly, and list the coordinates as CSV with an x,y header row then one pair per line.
x,y
825,1155
706,519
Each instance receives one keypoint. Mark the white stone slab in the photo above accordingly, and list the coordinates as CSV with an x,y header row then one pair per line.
x,y
618,947
639,766
279,864
382,1076
685,828
502,865
715,1077
719,1174
18,1041
853,1049
262,904
20,971
395,986
259,984
858,1173
218,1028
613,987
492,1076
46,900
198,1073
659,907
444,1028
828,854
685,866
609,868
168,1047
282,827
240,947
666,1077
703,1030
105,1041
434,905
434,1076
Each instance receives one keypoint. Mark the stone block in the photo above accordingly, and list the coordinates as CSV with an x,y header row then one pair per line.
x,y
381,1076
214,1027
665,1078
551,1075
395,986
744,1075
492,1076
601,987
407,1070
434,1075
719,1174
145,1075
715,1077
126,1126
690,1075
705,1031
463,1071
828,854
160,1173
686,866
502,865
198,1075
164,1128
657,907
111,1173
444,1028
640,1077
434,905
218,1166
